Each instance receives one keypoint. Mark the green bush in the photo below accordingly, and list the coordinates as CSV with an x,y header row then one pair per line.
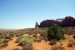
x,y
56,33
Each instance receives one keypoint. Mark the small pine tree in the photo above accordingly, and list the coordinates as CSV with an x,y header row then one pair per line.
x,y
36,25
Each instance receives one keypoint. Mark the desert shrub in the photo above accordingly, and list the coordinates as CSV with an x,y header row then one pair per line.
x,y
37,40
4,44
52,42
15,49
11,34
37,37
7,37
1,35
27,48
18,34
43,36
74,36
25,40
57,47
5,40
56,33
71,43
70,31
0,42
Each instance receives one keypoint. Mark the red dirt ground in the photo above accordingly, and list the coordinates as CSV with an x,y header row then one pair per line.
x,y
43,45
11,45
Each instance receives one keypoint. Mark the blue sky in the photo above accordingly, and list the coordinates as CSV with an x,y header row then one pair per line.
x,y
16,14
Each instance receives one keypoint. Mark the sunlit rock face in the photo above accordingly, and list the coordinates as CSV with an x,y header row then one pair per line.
x,y
47,23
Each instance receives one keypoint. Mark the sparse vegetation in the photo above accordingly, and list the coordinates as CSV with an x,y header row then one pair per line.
x,y
15,49
52,42
71,43
57,47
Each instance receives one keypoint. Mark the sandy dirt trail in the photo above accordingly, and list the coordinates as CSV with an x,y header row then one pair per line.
x,y
11,45
43,45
